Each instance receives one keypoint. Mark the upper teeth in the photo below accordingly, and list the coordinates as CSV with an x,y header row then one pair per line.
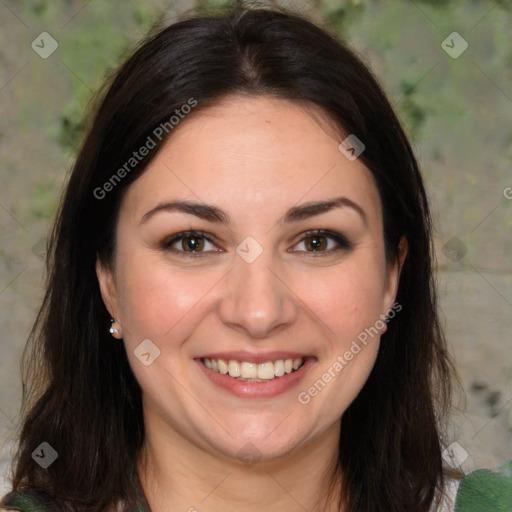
x,y
246,370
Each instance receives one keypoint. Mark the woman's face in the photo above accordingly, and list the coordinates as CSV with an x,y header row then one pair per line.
x,y
256,292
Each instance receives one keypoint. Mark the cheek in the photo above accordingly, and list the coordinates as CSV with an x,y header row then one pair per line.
x,y
348,302
347,299
156,303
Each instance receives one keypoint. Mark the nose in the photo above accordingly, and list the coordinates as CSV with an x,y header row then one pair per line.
x,y
258,302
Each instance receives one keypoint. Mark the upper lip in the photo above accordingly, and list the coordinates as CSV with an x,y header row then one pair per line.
x,y
253,357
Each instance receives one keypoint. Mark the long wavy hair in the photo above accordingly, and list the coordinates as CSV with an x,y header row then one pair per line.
x,y
80,394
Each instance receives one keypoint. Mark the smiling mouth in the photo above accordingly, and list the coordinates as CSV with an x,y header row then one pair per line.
x,y
245,371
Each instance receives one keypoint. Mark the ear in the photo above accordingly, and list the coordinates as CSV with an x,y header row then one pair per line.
x,y
108,287
393,274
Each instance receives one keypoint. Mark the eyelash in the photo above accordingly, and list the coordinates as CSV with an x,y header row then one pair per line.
x,y
341,240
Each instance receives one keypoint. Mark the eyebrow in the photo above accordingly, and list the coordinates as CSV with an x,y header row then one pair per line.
x,y
211,213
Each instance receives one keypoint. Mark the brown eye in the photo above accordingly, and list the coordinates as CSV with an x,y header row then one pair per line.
x,y
315,243
192,243
323,241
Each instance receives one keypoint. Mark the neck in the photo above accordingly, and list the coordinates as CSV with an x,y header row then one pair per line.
x,y
178,475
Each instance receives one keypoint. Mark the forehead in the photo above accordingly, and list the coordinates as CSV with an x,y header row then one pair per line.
x,y
253,152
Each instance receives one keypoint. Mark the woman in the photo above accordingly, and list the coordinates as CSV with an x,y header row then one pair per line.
x,y
240,310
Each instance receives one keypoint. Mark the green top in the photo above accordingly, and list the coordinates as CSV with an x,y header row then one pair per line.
x,y
30,500
484,490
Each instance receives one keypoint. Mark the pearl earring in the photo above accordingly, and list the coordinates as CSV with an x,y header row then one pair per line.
x,y
115,329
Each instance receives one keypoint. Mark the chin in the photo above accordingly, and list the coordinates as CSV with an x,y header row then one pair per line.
x,y
266,445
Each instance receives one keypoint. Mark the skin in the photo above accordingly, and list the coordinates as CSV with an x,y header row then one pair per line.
x,y
254,158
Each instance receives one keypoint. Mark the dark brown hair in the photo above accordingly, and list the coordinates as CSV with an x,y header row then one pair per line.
x,y
80,394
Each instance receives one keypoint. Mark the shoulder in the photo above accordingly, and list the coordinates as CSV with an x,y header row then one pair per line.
x,y
486,490
447,501
27,500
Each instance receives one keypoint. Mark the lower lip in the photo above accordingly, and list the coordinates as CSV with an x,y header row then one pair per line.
x,y
268,389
